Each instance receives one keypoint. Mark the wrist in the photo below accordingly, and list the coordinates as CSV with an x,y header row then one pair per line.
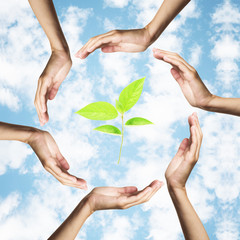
x,y
208,103
60,45
85,208
176,190
151,35
24,133
177,194
32,135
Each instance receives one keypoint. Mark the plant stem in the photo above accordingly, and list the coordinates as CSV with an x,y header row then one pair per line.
x,y
122,139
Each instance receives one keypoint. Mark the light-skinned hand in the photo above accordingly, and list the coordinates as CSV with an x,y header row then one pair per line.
x,y
52,160
136,40
101,198
186,157
49,82
187,77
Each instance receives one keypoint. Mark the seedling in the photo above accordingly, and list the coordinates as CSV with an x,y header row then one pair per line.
x,y
106,111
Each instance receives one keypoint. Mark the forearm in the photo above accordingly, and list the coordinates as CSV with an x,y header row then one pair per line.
x,y
45,12
166,13
15,132
71,226
191,224
223,105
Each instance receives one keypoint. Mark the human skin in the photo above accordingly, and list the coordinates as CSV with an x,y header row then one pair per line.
x,y
193,87
59,63
134,40
103,198
45,148
177,174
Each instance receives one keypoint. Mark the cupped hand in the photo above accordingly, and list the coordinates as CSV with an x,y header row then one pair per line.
x,y
187,77
49,82
135,40
52,160
101,198
186,157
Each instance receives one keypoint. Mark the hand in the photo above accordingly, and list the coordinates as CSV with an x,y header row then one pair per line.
x,y
49,82
52,160
187,155
136,40
187,77
101,198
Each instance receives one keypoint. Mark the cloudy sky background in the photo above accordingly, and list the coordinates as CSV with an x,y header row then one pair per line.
x,y
33,203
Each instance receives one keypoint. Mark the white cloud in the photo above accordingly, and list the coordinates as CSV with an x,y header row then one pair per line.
x,y
22,64
220,156
227,229
73,23
122,71
121,228
9,99
226,48
196,52
9,204
43,207
13,155
116,3
226,14
108,25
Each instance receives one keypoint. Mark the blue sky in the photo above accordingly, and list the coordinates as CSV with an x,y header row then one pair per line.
x,y
33,203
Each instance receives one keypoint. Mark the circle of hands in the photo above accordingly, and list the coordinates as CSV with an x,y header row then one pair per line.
x,y
181,165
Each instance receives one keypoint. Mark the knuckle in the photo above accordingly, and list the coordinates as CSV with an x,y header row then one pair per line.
x,y
63,183
114,31
176,55
46,166
92,39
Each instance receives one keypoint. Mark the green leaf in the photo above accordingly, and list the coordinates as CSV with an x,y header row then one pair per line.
x,y
109,129
130,94
119,106
99,111
137,121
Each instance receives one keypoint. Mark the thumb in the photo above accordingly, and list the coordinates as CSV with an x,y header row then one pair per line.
x,y
63,162
183,146
176,75
130,189
53,91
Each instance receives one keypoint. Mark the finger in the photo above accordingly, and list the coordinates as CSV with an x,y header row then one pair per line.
x,y
43,96
194,141
183,146
84,51
177,76
81,183
176,63
66,177
199,134
140,194
101,42
146,193
53,91
173,55
156,185
63,162
37,103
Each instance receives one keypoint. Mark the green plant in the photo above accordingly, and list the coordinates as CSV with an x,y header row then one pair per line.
x,y
106,111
